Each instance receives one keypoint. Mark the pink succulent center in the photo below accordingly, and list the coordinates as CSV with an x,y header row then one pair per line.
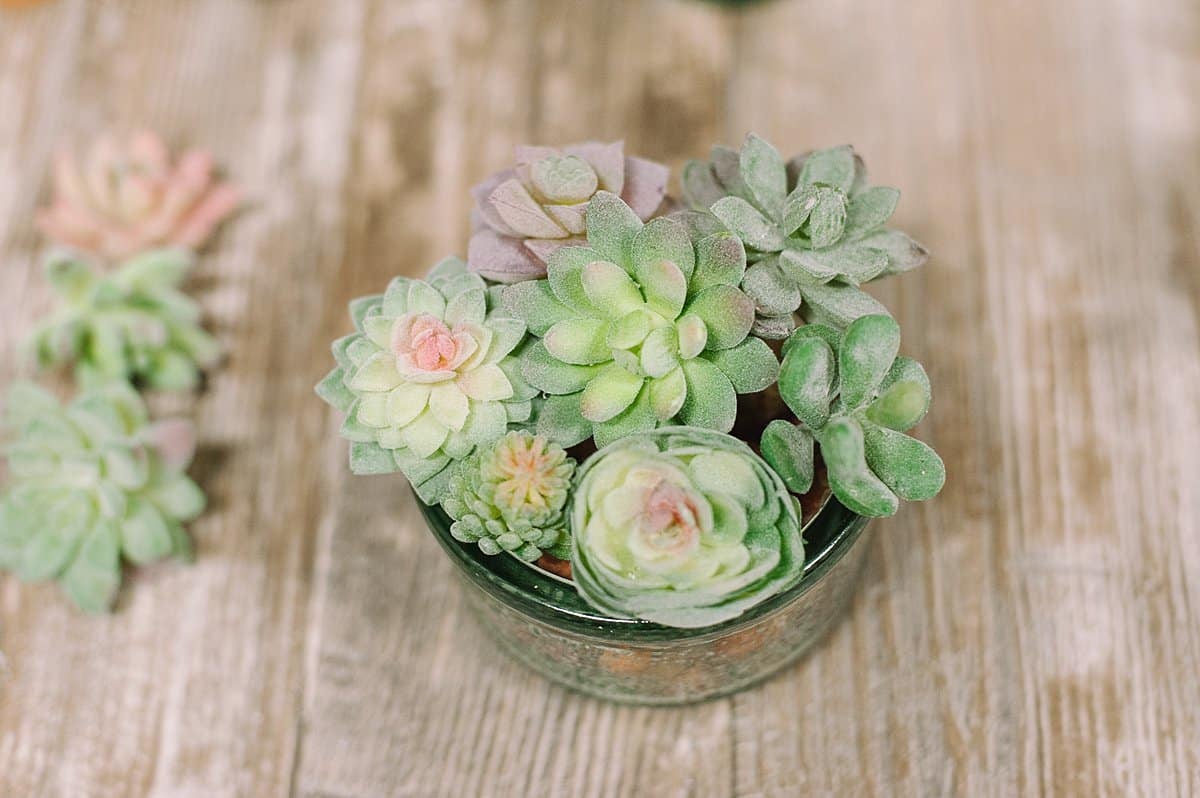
x,y
669,521
429,344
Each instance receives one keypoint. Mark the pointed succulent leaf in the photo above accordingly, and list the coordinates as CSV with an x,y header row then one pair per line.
x,y
561,420
547,373
92,579
534,303
630,330
667,394
773,293
853,263
748,223
727,167
610,289
837,305
789,450
751,366
904,254
805,266
580,341
664,285
700,186
711,400
638,418
806,380
727,313
720,260
764,173
850,479
564,270
660,352
664,239
609,393
868,349
611,227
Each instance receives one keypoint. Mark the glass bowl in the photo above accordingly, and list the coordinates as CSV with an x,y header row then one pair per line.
x,y
540,620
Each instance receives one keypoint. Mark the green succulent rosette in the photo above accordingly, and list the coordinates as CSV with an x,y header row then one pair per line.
x,y
509,496
854,398
93,483
428,376
133,324
813,229
642,327
683,526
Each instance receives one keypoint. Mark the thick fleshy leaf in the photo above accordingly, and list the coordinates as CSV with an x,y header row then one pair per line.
x,y
827,221
424,298
900,406
711,401
826,333
909,370
469,307
610,289
637,418
581,341
502,258
180,499
806,381
789,450
564,179
645,186
361,307
564,271
667,394
751,365
837,304
549,374
405,402
660,352
609,393
806,266
145,537
727,313
488,383
868,349
53,547
507,334
868,209
611,227
904,254
831,167
720,260
693,335
774,294
535,303
93,577
727,166
906,465
449,405
521,212
424,435
700,186
748,223
629,330
764,173
370,458
664,286
377,374
664,239
854,263
850,478
562,421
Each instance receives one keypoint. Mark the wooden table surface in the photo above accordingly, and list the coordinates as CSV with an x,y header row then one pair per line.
x,y
1033,631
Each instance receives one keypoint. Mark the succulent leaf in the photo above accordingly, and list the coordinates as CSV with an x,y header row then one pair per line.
x,y
510,495
813,230
526,213
683,526
855,398
93,482
433,372
635,323
133,324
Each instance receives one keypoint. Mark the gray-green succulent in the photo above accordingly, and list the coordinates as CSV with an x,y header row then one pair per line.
x,y
428,376
509,496
133,324
644,326
813,229
683,526
854,398
93,482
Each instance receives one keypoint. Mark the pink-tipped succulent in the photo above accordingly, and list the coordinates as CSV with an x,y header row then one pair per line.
x,y
128,196
526,213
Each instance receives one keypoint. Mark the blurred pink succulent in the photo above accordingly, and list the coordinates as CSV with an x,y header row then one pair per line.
x,y
525,213
126,197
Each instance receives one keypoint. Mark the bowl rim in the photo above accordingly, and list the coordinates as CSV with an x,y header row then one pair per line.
x,y
487,572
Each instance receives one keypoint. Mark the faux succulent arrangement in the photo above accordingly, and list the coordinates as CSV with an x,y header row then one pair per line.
x,y
701,365
94,484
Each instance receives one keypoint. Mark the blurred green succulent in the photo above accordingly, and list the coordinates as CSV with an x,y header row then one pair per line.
x,y
644,326
813,229
683,526
855,398
427,377
509,496
93,482
133,324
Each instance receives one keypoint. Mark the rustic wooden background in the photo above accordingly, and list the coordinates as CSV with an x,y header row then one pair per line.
x,y
1033,631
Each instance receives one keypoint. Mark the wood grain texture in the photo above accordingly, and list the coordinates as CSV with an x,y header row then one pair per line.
x,y
1033,631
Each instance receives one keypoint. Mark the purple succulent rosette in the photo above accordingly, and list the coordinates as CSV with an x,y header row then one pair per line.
x,y
526,213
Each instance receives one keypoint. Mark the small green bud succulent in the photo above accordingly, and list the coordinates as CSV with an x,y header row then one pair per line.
x,y
643,326
855,398
683,526
93,482
427,377
133,324
509,496
813,230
